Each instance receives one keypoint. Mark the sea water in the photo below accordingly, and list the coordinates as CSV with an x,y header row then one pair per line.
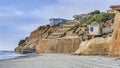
x,y
9,55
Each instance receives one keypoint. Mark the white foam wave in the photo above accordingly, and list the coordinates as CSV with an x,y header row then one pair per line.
x,y
8,55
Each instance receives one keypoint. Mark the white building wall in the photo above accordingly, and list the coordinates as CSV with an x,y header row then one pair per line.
x,y
96,30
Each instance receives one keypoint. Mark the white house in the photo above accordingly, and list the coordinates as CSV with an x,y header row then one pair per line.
x,y
56,21
94,30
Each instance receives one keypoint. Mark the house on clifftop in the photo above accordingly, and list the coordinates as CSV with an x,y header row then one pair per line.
x,y
114,9
56,21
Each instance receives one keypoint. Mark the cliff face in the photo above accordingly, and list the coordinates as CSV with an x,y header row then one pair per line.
x,y
50,40
34,38
66,38
63,38
115,43
61,45
97,46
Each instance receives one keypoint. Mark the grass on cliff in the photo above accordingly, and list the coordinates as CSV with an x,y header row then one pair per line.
x,y
96,16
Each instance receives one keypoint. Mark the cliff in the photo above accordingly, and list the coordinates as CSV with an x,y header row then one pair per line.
x,y
54,39
66,38
115,43
61,45
96,46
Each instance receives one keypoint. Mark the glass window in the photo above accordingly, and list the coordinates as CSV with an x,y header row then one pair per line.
x,y
91,29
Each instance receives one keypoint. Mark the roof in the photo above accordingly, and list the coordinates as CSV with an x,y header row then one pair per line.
x,y
57,19
115,6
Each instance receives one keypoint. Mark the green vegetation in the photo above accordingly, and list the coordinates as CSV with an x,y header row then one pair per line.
x,y
90,20
101,17
96,16
111,15
68,21
94,12
22,41
43,27
79,24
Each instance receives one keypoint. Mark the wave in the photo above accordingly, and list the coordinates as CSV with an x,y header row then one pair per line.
x,y
8,55
1,53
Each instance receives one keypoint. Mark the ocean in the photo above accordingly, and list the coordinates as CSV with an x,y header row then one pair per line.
x,y
9,55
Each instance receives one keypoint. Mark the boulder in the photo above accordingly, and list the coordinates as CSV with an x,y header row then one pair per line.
x,y
114,49
96,46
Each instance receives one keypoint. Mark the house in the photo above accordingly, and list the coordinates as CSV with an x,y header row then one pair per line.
x,y
56,21
114,9
94,30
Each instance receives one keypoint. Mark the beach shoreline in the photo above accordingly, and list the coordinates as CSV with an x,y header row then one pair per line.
x,y
28,55
61,61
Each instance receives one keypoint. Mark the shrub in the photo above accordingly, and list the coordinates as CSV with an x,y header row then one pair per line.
x,y
89,21
41,27
95,12
21,42
111,15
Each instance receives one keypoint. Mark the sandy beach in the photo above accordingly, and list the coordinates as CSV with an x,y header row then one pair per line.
x,y
62,61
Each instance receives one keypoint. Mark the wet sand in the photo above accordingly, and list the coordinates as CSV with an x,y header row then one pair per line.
x,y
62,61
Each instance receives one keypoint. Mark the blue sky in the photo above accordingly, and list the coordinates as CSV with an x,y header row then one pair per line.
x,y
19,17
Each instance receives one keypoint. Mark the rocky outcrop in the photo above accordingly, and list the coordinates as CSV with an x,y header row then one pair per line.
x,y
61,45
40,41
66,38
115,43
97,46
18,49
40,47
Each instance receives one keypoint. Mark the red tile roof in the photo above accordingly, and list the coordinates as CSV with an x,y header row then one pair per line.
x,y
115,6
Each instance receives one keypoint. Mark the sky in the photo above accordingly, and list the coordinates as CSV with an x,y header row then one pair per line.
x,y
18,18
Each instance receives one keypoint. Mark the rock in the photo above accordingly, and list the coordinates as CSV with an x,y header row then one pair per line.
x,y
64,38
35,38
96,46
61,45
115,43
18,49
40,46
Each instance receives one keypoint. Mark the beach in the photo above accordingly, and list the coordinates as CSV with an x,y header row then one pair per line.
x,y
61,61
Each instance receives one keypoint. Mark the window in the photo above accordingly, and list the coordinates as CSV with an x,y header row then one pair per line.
x,y
91,29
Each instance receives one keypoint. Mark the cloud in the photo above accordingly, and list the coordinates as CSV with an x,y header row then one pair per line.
x,y
10,11
68,8
18,19
28,27
56,11
89,5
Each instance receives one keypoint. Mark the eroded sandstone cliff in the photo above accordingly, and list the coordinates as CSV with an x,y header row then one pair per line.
x,y
96,46
51,40
115,43
65,38
60,45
